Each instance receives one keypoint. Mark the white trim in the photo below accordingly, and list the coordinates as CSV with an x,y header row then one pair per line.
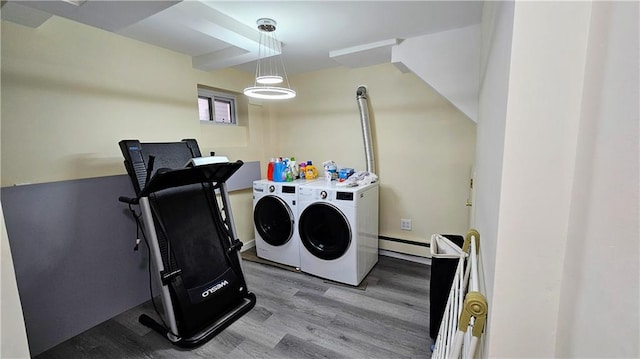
x,y
383,252
408,257
248,245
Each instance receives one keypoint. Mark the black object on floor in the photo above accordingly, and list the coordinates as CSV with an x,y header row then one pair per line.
x,y
191,239
442,272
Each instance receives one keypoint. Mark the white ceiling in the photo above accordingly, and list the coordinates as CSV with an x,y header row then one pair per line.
x,y
217,34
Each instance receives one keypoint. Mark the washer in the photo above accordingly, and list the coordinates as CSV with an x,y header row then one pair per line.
x,y
338,230
275,217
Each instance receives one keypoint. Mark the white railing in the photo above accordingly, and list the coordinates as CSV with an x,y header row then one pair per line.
x,y
466,307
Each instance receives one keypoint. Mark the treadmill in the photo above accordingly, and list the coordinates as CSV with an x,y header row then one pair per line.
x,y
186,220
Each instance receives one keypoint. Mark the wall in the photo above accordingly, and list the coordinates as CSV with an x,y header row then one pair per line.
x,y
559,231
544,103
601,271
497,26
448,61
423,145
72,92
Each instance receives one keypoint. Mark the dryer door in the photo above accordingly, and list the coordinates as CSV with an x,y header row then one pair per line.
x,y
273,220
324,231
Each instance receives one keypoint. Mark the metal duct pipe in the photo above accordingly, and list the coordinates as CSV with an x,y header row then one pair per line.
x,y
361,96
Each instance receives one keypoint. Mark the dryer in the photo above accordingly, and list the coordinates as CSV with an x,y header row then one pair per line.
x,y
338,230
275,217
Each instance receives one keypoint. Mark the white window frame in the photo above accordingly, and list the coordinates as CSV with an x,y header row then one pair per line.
x,y
212,97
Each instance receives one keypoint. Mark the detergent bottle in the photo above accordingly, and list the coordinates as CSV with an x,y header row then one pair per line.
x,y
278,170
270,169
311,172
302,169
294,168
288,174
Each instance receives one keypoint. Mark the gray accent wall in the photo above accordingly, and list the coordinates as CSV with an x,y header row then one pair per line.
x,y
72,246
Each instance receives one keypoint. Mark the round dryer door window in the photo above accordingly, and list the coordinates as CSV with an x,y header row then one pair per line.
x,y
324,231
274,220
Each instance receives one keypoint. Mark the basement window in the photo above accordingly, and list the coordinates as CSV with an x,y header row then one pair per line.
x,y
216,107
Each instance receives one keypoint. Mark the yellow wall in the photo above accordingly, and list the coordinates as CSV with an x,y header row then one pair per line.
x,y
71,92
423,146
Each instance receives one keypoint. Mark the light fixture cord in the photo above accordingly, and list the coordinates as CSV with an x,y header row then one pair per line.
x,y
269,49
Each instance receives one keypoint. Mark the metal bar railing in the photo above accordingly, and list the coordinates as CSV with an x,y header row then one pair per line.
x,y
466,307
455,300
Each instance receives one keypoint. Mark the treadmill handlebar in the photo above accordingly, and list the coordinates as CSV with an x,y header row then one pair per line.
x,y
167,178
209,173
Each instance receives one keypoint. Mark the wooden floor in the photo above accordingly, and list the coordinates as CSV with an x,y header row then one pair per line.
x,y
296,316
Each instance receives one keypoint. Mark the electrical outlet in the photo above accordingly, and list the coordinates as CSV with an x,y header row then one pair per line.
x,y
405,224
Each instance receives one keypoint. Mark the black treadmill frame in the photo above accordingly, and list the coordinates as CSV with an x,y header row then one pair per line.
x,y
148,183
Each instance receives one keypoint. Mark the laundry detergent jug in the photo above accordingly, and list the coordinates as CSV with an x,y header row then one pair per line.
x,y
311,172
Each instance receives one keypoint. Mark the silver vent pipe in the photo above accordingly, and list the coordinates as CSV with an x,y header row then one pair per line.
x,y
361,96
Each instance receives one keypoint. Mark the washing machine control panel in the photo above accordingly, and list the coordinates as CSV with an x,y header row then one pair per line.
x,y
259,187
344,196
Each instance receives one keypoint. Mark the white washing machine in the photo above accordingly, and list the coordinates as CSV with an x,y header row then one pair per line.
x,y
275,217
338,230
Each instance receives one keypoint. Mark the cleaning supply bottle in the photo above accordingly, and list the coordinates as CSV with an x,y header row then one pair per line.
x,y
270,169
302,169
311,172
286,171
278,170
333,172
294,168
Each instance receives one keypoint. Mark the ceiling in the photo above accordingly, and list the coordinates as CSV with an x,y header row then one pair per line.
x,y
219,34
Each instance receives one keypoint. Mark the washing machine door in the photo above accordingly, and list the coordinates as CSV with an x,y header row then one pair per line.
x,y
273,220
324,231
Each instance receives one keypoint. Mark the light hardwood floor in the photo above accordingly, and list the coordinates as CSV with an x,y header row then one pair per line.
x,y
296,316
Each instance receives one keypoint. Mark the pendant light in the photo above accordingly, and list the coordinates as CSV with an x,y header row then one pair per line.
x,y
270,72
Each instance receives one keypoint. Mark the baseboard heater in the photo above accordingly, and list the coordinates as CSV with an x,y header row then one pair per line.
x,y
405,241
